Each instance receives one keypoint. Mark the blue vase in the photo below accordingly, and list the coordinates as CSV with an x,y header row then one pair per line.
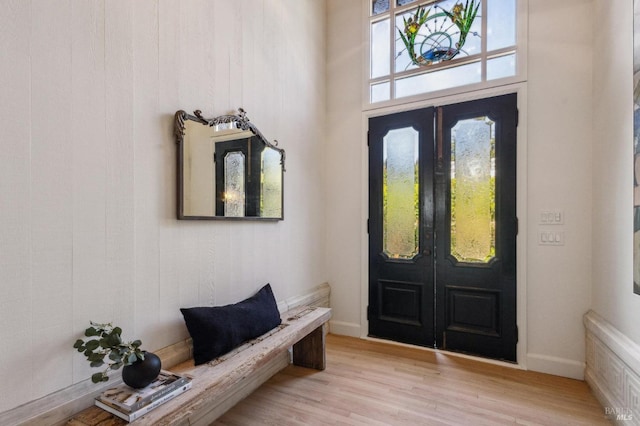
x,y
142,373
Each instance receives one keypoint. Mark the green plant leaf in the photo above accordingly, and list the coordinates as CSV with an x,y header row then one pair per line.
x,y
116,365
92,345
117,330
96,363
91,331
132,358
99,377
404,39
95,356
136,343
113,340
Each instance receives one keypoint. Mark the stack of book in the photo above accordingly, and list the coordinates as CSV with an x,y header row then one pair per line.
x,y
130,404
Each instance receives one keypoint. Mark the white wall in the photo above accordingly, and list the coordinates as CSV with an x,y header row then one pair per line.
x,y
344,168
612,270
87,169
558,159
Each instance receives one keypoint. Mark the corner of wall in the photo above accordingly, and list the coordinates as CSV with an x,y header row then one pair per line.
x,y
555,365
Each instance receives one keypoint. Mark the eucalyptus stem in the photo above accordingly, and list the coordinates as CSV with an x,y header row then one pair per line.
x,y
104,346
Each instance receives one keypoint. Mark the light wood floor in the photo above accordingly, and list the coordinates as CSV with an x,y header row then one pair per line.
x,y
372,383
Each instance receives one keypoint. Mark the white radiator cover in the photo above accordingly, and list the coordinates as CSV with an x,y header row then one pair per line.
x,y
613,370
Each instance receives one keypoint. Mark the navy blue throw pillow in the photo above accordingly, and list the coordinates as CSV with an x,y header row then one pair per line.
x,y
216,330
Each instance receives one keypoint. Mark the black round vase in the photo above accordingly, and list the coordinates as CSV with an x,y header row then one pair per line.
x,y
142,373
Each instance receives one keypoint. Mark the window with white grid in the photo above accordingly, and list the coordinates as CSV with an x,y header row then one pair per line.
x,y
424,48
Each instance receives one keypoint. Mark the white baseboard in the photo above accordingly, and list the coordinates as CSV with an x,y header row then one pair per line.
x,y
345,328
556,366
613,370
317,296
56,408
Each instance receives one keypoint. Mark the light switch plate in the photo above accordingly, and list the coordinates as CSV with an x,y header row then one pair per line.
x,y
551,217
551,238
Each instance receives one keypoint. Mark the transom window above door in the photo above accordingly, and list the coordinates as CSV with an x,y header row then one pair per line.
x,y
431,48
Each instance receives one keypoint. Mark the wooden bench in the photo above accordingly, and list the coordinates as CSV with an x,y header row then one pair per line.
x,y
223,382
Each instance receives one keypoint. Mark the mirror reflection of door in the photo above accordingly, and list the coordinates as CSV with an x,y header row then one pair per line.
x,y
442,227
248,179
235,165
270,184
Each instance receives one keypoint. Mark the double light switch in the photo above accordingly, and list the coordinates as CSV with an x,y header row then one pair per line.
x,y
551,236
551,217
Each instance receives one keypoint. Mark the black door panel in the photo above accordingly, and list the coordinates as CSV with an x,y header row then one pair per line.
x,y
476,300
401,286
455,288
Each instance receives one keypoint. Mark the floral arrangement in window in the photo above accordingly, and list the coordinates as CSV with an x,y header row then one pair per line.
x,y
436,43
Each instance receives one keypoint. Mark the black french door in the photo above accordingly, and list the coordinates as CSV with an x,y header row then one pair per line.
x,y
442,227
238,173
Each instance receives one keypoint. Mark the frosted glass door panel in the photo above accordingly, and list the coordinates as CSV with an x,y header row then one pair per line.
x,y
271,184
473,190
234,188
400,193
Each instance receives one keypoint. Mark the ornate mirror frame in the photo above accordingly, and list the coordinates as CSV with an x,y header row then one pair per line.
x,y
242,140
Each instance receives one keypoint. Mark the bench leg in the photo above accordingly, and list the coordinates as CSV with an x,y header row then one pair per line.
x,y
310,351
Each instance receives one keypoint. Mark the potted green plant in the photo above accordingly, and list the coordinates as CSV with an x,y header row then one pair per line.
x,y
104,346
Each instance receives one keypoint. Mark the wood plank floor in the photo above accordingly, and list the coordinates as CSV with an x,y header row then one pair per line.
x,y
373,383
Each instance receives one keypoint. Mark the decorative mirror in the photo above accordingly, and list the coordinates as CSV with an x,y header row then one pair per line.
x,y
227,169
